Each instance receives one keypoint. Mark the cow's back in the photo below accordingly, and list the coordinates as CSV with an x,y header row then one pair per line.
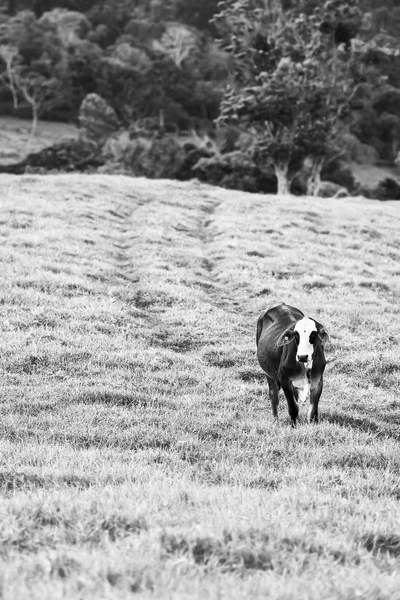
x,y
271,324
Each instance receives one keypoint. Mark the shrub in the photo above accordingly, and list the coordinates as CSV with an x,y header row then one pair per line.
x,y
96,119
341,175
387,189
158,156
357,151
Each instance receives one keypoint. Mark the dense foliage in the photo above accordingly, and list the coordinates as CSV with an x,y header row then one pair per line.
x,y
251,77
292,85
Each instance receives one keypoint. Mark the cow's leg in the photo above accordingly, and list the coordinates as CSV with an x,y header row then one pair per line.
x,y
273,395
315,393
292,401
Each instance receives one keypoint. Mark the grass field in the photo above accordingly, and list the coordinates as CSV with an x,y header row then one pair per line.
x,y
139,457
16,140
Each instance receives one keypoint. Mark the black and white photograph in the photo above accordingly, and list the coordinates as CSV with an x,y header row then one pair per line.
x,y
200,299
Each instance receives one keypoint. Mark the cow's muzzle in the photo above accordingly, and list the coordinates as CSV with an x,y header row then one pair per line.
x,y
303,358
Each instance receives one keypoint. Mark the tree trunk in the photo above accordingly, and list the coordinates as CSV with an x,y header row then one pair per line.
x,y
314,178
35,118
395,148
34,125
281,173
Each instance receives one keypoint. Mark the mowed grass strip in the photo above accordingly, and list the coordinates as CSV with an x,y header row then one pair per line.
x,y
138,451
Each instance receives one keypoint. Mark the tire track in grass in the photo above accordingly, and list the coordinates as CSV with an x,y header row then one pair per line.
x,y
190,328
217,294
157,253
180,304
220,296
141,274
168,251
233,348
123,236
169,222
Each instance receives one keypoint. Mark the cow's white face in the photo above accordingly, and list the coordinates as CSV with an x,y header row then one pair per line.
x,y
307,331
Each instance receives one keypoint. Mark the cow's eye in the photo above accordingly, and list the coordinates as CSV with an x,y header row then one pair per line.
x,y
313,337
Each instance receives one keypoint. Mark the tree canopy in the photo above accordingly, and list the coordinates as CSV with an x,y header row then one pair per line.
x,y
295,79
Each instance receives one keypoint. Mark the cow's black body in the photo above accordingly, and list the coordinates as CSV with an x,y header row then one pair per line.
x,y
280,364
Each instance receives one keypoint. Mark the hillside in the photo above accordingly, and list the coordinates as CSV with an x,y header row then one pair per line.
x,y
138,452
16,140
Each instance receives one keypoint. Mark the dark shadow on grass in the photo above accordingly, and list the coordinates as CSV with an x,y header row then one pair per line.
x,y
33,410
219,359
375,285
15,481
317,284
160,440
177,343
250,549
264,483
86,441
29,365
222,553
355,422
113,399
264,292
71,290
381,543
380,429
252,376
14,434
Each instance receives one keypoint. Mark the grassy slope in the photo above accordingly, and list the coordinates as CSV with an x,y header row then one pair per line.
x,y
138,452
371,175
16,141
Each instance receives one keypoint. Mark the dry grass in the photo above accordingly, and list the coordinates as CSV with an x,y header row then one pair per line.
x,y
16,140
138,452
370,175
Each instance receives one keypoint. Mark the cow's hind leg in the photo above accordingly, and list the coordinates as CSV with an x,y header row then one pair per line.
x,y
292,402
315,393
273,395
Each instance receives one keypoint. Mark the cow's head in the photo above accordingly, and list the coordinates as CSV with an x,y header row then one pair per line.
x,y
306,333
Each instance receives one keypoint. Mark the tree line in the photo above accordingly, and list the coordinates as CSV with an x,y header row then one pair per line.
x,y
244,93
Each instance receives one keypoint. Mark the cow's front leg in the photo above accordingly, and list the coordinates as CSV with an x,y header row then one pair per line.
x,y
315,393
291,398
273,396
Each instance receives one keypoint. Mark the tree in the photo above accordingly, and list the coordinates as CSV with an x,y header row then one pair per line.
x,y
291,84
11,7
33,87
178,43
390,134
8,54
198,14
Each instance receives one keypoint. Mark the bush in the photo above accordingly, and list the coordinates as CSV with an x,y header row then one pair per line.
x,y
97,120
157,156
387,189
144,31
162,155
66,22
234,170
358,152
341,175
388,101
198,14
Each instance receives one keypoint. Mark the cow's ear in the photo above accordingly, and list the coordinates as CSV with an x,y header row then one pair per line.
x,y
285,337
323,335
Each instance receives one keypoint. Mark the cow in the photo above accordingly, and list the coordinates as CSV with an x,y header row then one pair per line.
x,y
290,349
